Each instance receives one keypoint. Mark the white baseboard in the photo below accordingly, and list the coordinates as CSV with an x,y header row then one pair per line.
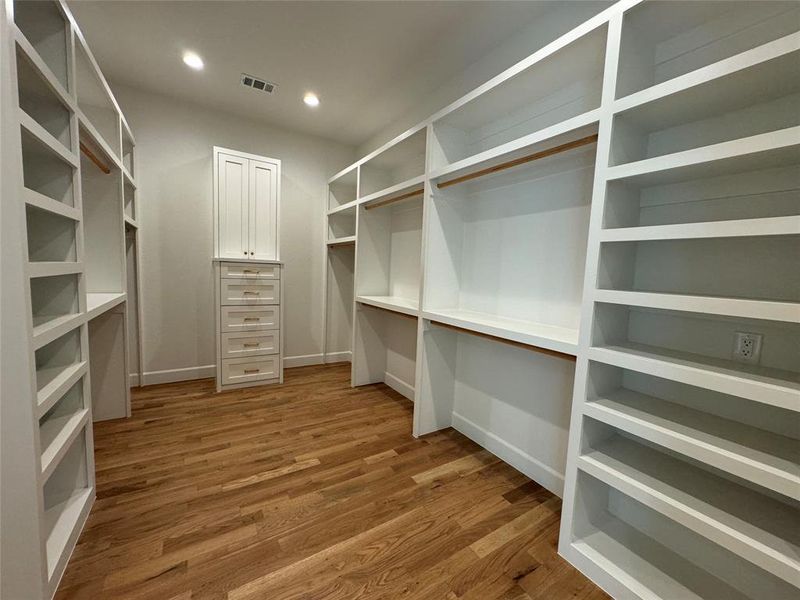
x,y
133,380
206,371
400,386
173,375
521,461
334,357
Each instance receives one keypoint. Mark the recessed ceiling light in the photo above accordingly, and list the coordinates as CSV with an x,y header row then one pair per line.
x,y
193,60
311,99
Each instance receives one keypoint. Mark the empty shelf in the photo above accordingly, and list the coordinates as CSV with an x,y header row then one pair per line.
x,y
540,335
343,208
406,189
754,526
713,229
98,303
767,459
648,569
56,435
342,241
770,386
405,306
61,521
54,268
762,151
47,329
54,381
46,139
46,203
732,307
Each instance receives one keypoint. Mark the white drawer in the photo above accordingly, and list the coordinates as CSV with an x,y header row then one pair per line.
x,y
242,370
249,318
250,291
236,345
250,271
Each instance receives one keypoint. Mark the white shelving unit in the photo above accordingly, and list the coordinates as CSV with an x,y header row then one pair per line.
x,y
596,224
63,280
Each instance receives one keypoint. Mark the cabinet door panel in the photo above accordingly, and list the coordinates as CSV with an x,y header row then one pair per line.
x,y
232,179
263,231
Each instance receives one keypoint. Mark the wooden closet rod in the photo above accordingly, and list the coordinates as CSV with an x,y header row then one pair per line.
x,y
393,312
494,338
95,159
405,196
589,139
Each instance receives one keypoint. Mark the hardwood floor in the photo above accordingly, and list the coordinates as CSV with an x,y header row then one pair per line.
x,y
311,490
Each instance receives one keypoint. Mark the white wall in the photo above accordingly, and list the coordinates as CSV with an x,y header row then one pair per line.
x,y
541,31
174,143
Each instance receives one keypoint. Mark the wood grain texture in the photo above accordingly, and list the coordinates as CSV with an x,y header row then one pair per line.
x,y
310,490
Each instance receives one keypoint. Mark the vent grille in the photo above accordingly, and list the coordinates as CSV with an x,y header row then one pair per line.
x,y
258,84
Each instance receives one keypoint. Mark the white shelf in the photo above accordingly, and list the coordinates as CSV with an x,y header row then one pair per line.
x,y
713,76
61,521
57,435
47,204
767,459
59,379
129,180
46,139
396,190
788,312
646,569
560,133
397,304
49,329
54,268
768,386
342,241
343,208
47,74
766,226
776,148
549,337
98,303
131,222
754,526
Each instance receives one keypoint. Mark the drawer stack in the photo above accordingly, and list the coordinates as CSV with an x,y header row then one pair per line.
x,y
249,331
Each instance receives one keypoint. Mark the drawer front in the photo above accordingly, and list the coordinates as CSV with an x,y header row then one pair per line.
x,y
236,345
250,318
250,271
250,291
242,370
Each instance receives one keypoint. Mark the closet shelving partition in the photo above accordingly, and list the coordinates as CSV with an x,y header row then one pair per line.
x,y
684,458
388,255
56,289
340,224
600,221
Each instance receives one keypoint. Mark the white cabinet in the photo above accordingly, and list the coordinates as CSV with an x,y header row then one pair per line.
x,y
248,272
246,199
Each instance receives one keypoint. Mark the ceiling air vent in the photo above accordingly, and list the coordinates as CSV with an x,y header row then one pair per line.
x,y
257,84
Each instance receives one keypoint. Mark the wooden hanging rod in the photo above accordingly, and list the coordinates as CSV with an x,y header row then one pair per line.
x,y
494,338
405,196
95,159
388,310
585,141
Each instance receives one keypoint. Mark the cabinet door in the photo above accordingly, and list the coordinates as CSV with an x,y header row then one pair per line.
x,y
263,231
232,206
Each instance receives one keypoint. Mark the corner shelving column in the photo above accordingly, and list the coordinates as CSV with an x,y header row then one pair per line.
x,y
684,456
340,248
63,272
52,487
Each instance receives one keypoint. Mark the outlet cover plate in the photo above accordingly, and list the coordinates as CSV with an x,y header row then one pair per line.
x,y
747,347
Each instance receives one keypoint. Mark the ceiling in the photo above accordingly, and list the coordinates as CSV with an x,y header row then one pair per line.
x,y
367,61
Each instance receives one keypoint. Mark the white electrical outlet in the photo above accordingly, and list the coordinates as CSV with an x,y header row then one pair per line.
x,y
747,347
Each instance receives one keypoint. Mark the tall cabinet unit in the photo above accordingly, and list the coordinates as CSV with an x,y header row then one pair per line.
x,y
64,334
248,272
608,295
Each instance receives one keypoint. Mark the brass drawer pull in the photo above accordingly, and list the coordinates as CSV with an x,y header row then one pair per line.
x,y
249,293
252,344
252,318
252,272
249,371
